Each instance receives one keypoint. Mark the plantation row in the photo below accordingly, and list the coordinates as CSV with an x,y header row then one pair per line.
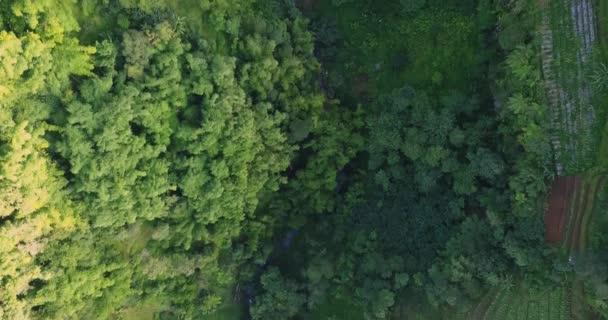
x,y
582,209
577,211
553,91
582,14
568,33
512,304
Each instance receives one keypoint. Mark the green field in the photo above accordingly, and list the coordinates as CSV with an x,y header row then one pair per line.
x,y
576,123
377,52
520,303
579,109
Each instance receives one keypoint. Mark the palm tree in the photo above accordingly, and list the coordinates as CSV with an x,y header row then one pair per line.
x,y
599,78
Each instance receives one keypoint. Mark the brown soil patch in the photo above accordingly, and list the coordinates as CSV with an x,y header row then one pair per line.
x,y
563,191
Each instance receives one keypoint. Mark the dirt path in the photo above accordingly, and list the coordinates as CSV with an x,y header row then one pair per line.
x,y
482,308
577,301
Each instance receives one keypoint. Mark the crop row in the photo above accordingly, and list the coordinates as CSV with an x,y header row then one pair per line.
x,y
513,305
498,300
568,32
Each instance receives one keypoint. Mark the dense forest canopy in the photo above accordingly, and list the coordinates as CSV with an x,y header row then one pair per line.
x,y
265,159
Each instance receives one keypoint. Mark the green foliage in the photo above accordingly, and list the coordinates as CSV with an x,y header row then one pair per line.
x,y
517,20
35,214
280,299
338,3
435,157
167,141
149,173
411,6
527,119
422,173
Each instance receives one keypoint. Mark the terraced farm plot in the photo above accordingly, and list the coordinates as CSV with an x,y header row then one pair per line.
x,y
519,304
568,34
573,198
569,210
581,211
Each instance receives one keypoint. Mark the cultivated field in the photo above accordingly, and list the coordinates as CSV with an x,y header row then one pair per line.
x,y
569,209
581,212
568,36
568,33
518,303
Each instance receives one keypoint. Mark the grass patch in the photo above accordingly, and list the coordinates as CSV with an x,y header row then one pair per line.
x,y
601,7
229,311
439,47
446,53
145,310
600,98
336,308
413,304
599,224
523,303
